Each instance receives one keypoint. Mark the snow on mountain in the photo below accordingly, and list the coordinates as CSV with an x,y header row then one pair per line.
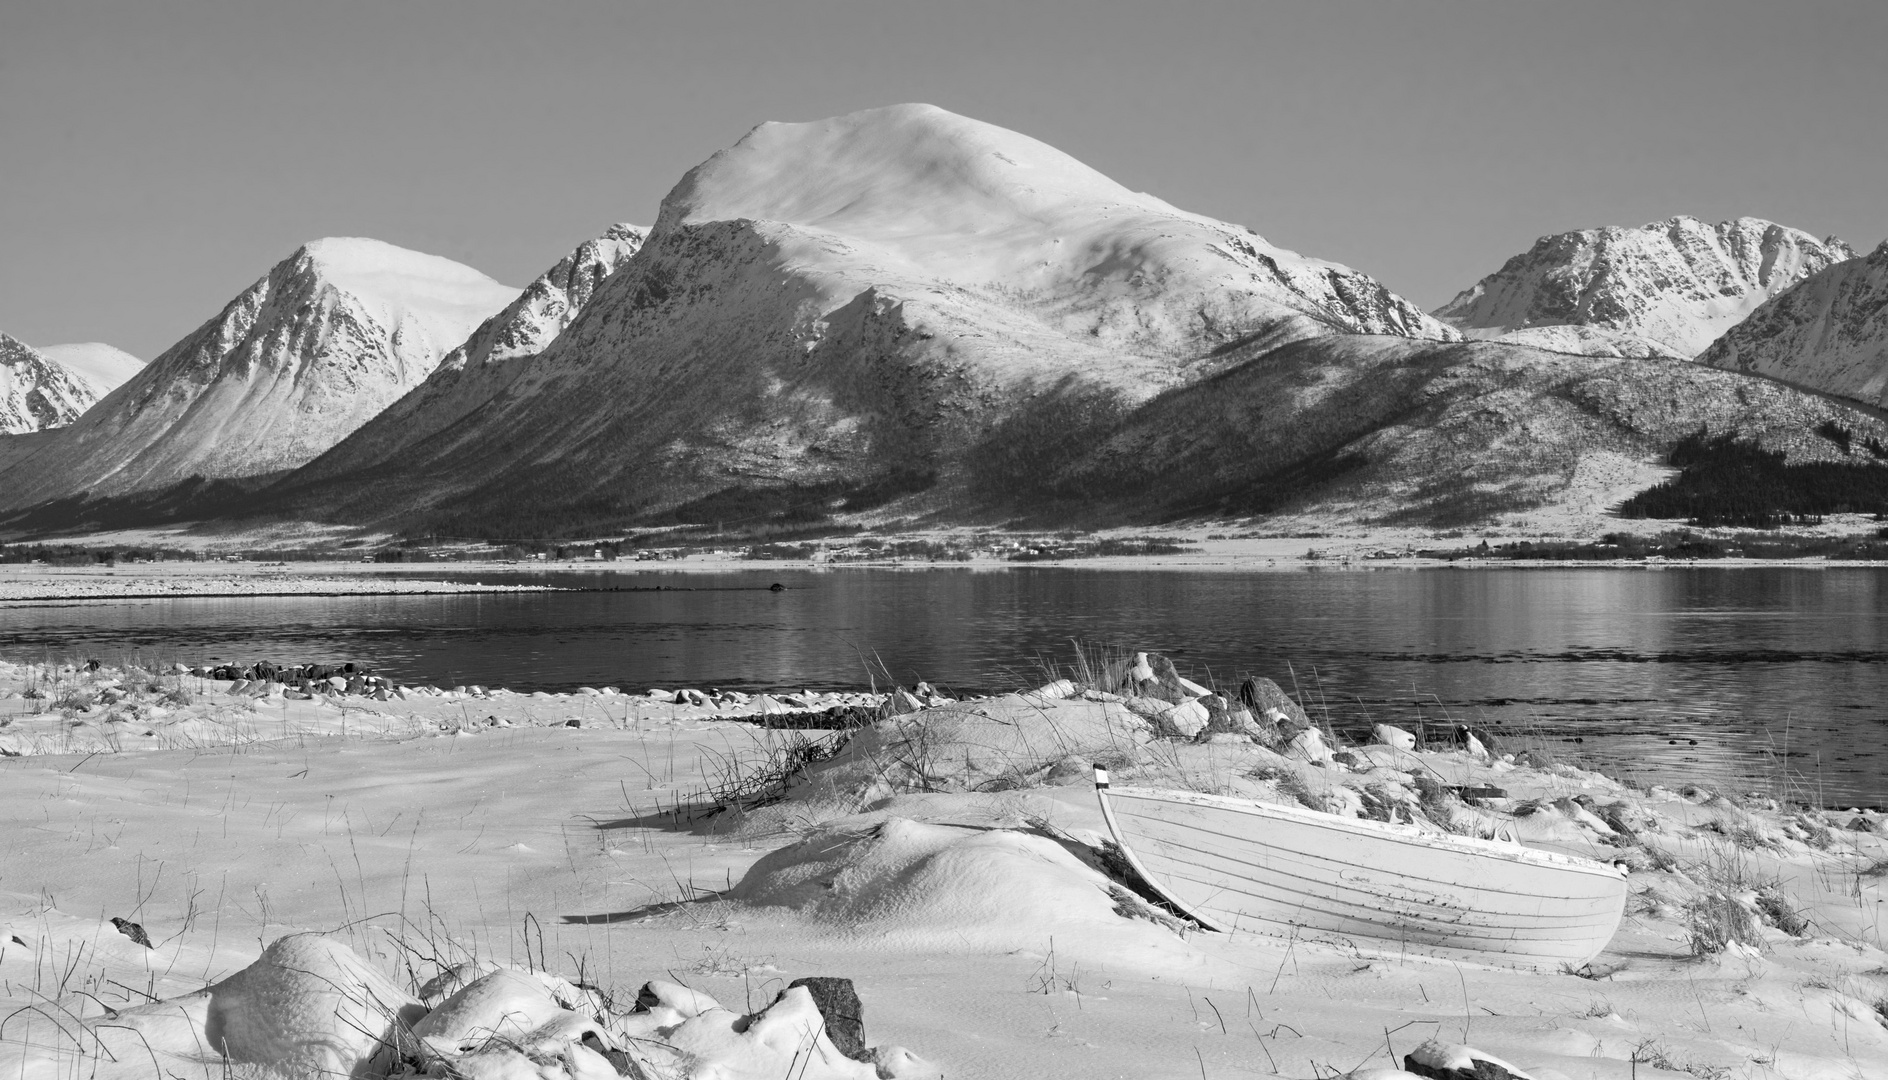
x,y
1672,285
325,340
853,299
483,364
1828,333
38,393
106,367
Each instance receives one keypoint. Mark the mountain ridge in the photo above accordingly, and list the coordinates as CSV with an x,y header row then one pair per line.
x,y
1668,287
311,350
1828,333
849,301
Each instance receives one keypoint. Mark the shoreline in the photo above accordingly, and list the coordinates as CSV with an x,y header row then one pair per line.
x,y
27,585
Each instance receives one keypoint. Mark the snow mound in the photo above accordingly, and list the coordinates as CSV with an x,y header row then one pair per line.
x,y
106,367
908,884
309,1005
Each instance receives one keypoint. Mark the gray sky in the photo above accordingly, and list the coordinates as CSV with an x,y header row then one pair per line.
x,y
157,156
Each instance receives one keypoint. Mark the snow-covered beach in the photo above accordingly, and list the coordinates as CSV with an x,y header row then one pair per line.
x,y
947,860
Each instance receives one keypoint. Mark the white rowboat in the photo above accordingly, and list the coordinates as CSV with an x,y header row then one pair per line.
x,y
1237,865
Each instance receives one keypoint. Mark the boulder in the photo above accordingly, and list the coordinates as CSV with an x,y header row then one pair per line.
x,y
1452,1061
1185,720
1266,699
1308,745
839,1006
1393,736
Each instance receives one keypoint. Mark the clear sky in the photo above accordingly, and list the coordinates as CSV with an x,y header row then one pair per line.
x,y
157,156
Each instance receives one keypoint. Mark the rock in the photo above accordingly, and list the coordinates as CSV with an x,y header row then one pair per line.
x,y
1193,688
337,684
1185,720
766,705
1166,683
1389,735
589,691
1308,745
132,930
1220,718
901,702
1266,699
1450,1061
844,1015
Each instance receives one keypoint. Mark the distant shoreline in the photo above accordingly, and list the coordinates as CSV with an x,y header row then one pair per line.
x,y
30,585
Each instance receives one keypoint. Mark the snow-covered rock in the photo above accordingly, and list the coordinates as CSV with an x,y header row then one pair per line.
x,y
1668,288
1828,333
38,393
320,344
853,301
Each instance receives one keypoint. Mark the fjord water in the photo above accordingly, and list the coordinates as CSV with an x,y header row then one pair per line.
x,y
1749,677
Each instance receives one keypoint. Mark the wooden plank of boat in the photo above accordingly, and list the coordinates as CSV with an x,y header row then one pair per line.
x,y
1239,865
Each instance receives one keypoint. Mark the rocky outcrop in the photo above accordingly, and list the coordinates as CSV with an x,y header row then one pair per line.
x,y
319,345
1669,288
1829,333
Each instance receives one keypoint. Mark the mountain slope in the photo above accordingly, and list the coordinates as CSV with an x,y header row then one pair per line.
x,y
1371,430
1829,333
1668,288
328,338
483,366
106,367
851,303
37,392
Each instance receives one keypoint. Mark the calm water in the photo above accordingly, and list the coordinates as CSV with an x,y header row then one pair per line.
x,y
1772,672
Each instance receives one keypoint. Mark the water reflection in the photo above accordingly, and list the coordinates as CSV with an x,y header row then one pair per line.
x,y
1749,664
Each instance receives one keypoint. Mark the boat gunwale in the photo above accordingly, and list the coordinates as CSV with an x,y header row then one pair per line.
x,y
1380,830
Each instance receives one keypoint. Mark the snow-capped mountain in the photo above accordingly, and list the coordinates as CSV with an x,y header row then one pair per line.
x,y
38,393
1828,333
106,367
857,298
483,365
320,344
1668,288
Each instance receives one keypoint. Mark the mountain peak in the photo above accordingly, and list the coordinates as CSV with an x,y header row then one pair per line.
x,y
1674,284
327,338
1827,333
37,392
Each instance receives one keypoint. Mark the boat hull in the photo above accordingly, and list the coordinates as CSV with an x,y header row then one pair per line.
x,y
1240,866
